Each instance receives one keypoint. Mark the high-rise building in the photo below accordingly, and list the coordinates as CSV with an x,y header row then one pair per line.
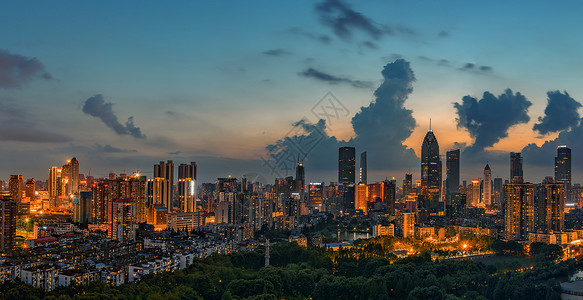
x,y
452,169
82,207
498,195
363,168
476,193
300,178
122,220
15,187
346,165
431,179
518,210
407,184
8,210
563,168
487,187
549,206
163,184
30,188
54,182
361,198
389,195
406,224
316,196
187,187
73,175
516,174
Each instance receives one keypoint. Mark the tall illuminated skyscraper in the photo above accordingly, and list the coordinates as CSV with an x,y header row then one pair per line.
x,y
363,168
431,168
563,168
452,169
8,210
163,184
550,204
187,187
518,210
516,174
346,165
15,186
122,220
487,187
300,177
73,175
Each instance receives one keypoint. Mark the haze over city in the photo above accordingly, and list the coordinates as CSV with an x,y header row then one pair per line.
x,y
124,86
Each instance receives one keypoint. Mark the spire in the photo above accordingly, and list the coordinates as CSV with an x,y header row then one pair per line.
x,y
429,123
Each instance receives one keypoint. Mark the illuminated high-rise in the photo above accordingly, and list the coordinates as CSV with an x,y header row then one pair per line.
x,y
487,187
363,168
563,168
15,186
518,210
8,210
163,184
300,178
549,206
346,165
452,170
122,220
54,182
73,175
431,169
29,189
516,174
187,187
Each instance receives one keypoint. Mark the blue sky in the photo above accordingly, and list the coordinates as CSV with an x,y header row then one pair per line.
x,y
217,81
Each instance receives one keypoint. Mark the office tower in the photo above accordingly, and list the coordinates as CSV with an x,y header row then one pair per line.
x,y
363,168
563,169
389,196
73,175
407,184
15,186
300,177
346,176
516,167
122,220
549,206
519,210
406,224
431,169
100,195
498,193
53,182
134,188
452,169
476,193
82,207
361,198
487,187
8,210
346,165
457,205
187,187
29,190
316,196
163,184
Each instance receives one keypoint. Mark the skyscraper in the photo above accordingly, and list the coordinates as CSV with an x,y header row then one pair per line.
x,y
8,210
563,168
408,184
549,206
122,220
363,168
187,187
54,182
346,165
300,177
15,186
487,187
73,175
498,193
431,168
452,169
30,187
163,184
516,167
519,210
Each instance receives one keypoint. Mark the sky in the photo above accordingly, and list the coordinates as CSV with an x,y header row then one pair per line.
x,y
245,88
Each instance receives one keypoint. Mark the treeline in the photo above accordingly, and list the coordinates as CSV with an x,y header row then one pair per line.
x,y
299,273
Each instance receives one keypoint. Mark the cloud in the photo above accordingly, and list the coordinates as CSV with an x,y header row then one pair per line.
x,y
560,114
544,154
111,149
276,52
344,21
439,62
24,131
331,79
380,128
443,34
96,107
175,153
324,38
370,45
475,68
489,119
16,70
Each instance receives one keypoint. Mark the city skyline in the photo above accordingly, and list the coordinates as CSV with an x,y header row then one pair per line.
x,y
192,89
